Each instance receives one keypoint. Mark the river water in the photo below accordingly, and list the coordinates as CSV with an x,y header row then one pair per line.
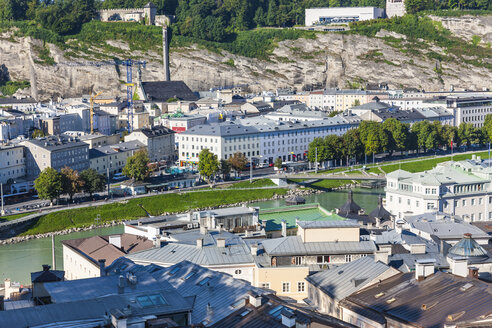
x,y
17,261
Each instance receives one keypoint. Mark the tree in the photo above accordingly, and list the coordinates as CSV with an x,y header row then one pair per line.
x,y
397,134
278,163
238,161
137,166
225,168
333,147
208,164
414,6
48,184
487,127
71,181
422,130
352,145
271,17
37,133
317,146
356,101
92,181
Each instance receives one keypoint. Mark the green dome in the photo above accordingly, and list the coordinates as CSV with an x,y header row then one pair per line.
x,y
468,247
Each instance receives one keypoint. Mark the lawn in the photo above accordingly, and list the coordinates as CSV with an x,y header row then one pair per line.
x,y
427,164
155,205
255,184
15,216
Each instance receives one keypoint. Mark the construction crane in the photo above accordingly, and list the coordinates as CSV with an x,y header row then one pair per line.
x,y
92,110
129,63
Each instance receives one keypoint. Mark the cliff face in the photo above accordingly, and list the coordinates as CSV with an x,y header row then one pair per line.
x,y
332,60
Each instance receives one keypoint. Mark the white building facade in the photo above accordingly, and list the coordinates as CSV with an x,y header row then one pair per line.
x,y
456,188
12,163
337,15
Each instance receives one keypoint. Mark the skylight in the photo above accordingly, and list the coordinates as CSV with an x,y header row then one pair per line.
x,y
275,312
189,275
151,300
204,281
176,269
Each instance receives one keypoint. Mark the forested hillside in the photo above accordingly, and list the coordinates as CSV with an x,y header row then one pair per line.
x,y
213,20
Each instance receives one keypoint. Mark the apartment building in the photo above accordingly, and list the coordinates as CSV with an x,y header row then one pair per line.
x,y
113,158
457,188
259,138
159,140
55,152
469,109
12,163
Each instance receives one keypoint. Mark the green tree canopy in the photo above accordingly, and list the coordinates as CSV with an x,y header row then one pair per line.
x,y
137,166
208,164
48,184
238,161
92,181
225,168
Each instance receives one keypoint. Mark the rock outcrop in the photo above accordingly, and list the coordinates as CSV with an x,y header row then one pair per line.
x,y
331,60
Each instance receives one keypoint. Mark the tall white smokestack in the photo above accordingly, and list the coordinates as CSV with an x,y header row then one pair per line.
x,y
165,54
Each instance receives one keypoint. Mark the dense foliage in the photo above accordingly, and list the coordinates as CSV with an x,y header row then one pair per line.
x,y
391,135
210,20
137,166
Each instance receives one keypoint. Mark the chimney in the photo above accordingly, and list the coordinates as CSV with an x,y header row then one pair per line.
x,y
254,249
203,229
444,248
424,268
284,228
2,306
165,54
199,243
381,256
210,310
221,242
121,284
473,272
458,266
255,299
157,241
115,240
288,317
102,267
46,267
417,249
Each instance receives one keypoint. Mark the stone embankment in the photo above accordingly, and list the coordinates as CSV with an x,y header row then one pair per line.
x,y
14,240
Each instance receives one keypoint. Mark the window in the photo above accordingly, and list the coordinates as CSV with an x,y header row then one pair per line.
x,y
286,287
417,203
430,206
204,281
189,275
473,201
323,259
265,285
238,271
464,202
300,286
348,258
298,260
480,200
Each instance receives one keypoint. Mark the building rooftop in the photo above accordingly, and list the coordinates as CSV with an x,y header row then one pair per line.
x,y
346,279
439,299
269,315
155,131
99,247
215,295
293,245
161,91
442,225
468,248
116,148
328,224
185,247
308,212
55,143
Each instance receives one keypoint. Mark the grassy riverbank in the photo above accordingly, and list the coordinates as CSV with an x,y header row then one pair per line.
x,y
155,205
15,216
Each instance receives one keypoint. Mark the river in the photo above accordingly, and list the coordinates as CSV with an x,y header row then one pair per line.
x,y
17,261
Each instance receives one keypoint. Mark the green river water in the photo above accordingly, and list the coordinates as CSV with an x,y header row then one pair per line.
x,y
17,261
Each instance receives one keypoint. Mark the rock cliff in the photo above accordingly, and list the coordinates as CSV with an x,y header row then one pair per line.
x,y
331,60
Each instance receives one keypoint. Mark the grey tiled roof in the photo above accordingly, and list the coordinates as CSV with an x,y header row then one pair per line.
x,y
293,245
348,278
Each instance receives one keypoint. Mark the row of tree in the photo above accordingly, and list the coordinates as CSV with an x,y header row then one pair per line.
x,y
51,184
392,135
